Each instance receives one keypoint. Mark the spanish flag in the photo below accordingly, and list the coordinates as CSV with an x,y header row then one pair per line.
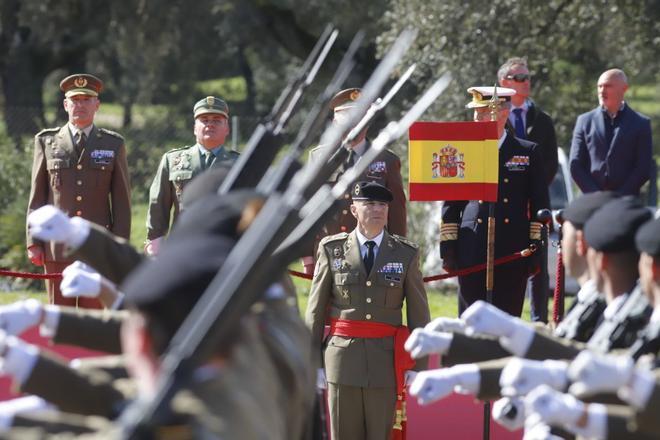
x,y
453,161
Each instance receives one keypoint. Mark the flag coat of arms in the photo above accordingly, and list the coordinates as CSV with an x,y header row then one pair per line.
x,y
453,161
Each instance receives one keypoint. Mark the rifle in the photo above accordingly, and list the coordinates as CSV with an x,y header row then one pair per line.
x,y
582,318
220,308
265,141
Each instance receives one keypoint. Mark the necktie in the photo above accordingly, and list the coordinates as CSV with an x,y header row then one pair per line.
x,y
520,125
350,161
369,258
81,139
208,161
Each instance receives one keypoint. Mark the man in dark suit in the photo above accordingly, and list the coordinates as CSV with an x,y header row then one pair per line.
x,y
611,148
533,124
522,191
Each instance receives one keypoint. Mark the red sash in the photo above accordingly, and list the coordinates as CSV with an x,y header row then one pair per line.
x,y
402,361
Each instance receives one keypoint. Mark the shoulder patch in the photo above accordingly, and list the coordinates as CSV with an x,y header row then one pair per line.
x,y
111,133
335,237
48,131
405,241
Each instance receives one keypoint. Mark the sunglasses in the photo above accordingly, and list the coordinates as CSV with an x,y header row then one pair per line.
x,y
519,77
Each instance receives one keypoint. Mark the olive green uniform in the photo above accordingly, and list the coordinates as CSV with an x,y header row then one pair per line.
x,y
177,168
93,185
360,372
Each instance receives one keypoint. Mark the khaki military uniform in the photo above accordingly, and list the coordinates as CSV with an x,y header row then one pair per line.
x,y
360,372
385,170
94,186
177,168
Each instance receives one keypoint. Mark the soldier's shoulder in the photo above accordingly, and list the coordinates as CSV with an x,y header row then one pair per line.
x,y
391,155
48,132
105,131
332,238
233,153
178,151
405,241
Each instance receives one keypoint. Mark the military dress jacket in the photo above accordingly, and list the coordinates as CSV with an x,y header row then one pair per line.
x,y
177,168
94,185
385,170
341,288
521,192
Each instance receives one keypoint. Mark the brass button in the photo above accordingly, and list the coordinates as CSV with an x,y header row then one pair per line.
x,y
347,196
344,212
368,316
103,168
78,198
506,200
344,291
391,284
506,180
506,220
369,300
479,221
343,229
481,202
79,182
78,213
79,166
368,283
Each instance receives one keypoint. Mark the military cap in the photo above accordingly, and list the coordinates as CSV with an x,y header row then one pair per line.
x,y
648,238
482,95
81,84
580,209
345,99
612,228
211,104
371,191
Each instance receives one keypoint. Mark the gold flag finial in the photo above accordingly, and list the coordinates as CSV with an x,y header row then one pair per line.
x,y
494,103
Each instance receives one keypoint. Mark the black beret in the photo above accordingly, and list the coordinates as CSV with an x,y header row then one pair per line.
x,y
613,227
371,191
580,209
168,286
648,238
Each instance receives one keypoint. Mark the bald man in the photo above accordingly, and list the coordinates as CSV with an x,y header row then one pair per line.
x,y
612,148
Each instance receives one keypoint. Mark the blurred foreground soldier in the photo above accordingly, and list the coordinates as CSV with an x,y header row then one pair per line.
x,y
360,283
530,122
82,170
385,170
179,166
521,192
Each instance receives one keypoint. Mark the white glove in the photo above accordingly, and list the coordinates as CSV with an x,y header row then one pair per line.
x,y
48,223
509,412
520,376
409,376
422,342
152,247
444,324
483,318
433,385
79,279
321,382
553,407
17,317
21,405
539,431
592,373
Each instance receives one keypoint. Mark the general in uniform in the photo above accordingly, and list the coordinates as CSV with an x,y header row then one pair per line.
x,y
179,166
385,170
521,192
81,169
359,286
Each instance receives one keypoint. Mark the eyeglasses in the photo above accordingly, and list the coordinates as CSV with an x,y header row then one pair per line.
x,y
519,77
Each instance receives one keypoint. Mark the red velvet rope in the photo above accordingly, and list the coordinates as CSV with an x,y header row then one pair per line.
x,y
36,276
459,273
558,297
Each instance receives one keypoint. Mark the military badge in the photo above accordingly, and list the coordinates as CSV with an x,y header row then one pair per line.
x,y
102,157
337,263
517,163
448,162
356,190
80,82
355,95
376,168
210,100
337,252
395,267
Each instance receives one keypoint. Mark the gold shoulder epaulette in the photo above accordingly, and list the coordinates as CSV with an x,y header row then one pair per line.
x,y
406,241
49,131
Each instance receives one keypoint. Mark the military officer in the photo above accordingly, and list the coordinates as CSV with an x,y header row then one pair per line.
x,y
385,170
81,169
521,193
179,166
360,282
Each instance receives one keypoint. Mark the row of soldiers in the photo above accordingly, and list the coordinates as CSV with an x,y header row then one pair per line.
x,y
596,374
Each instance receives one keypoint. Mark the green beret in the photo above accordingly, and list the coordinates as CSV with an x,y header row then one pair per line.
x,y
211,104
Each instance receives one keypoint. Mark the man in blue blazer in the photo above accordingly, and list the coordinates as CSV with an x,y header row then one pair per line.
x,y
611,148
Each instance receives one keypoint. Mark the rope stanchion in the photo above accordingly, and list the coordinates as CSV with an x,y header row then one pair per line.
x,y
458,273
35,276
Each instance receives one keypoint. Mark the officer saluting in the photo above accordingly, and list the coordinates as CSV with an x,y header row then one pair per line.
x,y
178,167
360,283
521,193
82,170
